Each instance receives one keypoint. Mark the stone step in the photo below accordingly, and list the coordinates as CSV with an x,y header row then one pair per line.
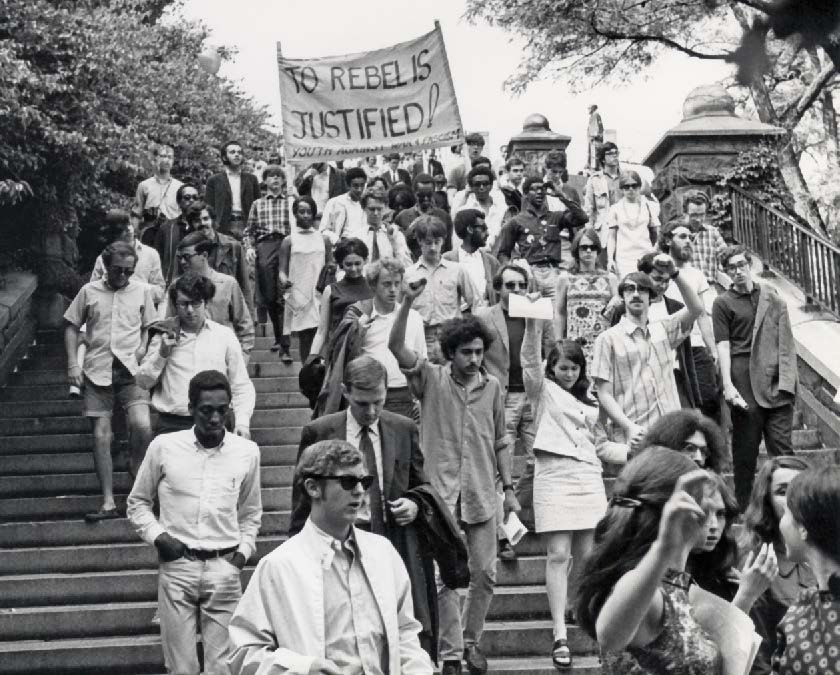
x,y
46,392
97,558
276,385
61,484
520,593
69,532
43,408
116,603
275,436
289,399
76,506
142,655
81,462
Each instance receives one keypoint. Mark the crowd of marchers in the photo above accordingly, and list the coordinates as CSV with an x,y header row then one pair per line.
x,y
408,289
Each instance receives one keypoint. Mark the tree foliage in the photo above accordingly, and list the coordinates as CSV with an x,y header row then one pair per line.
x,y
86,89
585,42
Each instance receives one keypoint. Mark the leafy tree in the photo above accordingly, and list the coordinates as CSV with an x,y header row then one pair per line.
x,y
86,89
585,42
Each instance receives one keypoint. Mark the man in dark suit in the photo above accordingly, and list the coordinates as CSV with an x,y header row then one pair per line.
x,y
391,447
232,191
322,182
394,174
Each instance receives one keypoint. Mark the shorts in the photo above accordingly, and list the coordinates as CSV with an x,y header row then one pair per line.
x,y
124,390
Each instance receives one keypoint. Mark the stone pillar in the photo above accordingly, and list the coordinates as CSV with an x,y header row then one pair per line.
x,y
534,142
695,153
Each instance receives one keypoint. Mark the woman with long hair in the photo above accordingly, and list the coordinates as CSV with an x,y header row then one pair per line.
x,y
633,597
761,527
809,634
350,255
569,496
582,295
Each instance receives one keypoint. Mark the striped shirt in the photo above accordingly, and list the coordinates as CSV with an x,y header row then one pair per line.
x,y
449,287
707,246
269,215
638,364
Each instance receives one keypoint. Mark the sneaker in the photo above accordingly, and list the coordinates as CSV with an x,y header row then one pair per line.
x,y
285,357
476,661
276,347
74,392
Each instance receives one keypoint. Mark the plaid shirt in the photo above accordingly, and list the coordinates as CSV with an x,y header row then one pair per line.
x,y
638,365
269,215
705,251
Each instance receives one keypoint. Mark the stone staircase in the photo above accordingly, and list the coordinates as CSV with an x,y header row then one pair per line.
x,y
79,598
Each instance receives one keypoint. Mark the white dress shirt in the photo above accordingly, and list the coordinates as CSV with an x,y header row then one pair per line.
x,y
494,216
375,343
147,269
209,497
343,218
474,264
235,180
213,347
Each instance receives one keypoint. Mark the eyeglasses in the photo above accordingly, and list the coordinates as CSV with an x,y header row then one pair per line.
x,y
185,256
631,186
536,188
633,288
611,152
513,285
738,266
691,236
348,483
121,271
187,197
692,450
195,304
589,247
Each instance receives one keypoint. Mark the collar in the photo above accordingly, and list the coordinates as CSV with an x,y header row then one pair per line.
x,y
474,254
279,197
629,326
204,326
542,213
328,545
741,295
443,262
472,199
200,448
233,174
483,379
375,312
108,286
355,429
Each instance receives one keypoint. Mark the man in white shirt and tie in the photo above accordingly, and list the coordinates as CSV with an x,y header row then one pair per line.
x,y
208,485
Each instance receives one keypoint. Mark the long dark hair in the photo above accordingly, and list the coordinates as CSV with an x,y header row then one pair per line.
x,y
625,533
813,499
571,350
760,522
589,233
710,568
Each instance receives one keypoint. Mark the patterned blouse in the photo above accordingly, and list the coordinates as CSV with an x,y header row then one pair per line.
x,y
809,635
682,648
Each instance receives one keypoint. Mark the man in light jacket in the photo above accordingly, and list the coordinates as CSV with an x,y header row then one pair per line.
x,y
281,622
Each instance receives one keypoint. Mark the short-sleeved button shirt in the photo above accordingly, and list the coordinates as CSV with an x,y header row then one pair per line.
x,y
638,364
114,321
448,285
460,432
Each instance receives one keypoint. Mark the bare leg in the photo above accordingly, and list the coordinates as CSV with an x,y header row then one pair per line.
x,y
102,436
559,549
139,435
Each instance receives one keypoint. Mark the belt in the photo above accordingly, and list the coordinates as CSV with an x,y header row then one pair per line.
x,y
545,263
201,554
237,215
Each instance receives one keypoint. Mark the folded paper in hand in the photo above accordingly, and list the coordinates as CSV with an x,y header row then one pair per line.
x,y
520,306
732,631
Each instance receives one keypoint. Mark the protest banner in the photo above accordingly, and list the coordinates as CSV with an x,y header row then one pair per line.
x,y
395,99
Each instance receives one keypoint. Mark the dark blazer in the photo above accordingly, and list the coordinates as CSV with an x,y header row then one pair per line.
x,y
491,267
404,176
773,371
402,470
218,195
690,387
338,184
497,356
166,242
434,166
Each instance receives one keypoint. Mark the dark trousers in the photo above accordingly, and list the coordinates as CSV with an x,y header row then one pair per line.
x,y
707,379
305,338
748,426
269,296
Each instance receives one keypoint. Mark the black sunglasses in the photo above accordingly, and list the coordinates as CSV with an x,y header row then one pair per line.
x,y
348,483
589,247
513,285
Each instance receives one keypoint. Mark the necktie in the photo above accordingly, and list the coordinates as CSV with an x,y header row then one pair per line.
x,y
377,520
374,247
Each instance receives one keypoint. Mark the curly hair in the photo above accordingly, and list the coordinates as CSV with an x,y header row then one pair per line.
x,y
760,522
625,533
351,246
456,332
673,429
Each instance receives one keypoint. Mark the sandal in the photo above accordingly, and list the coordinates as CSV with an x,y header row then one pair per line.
x,y
561,657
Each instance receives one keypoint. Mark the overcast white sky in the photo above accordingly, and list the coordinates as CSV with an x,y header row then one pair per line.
x,y
481,59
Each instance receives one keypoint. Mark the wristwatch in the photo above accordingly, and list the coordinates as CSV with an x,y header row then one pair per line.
x,y
507,487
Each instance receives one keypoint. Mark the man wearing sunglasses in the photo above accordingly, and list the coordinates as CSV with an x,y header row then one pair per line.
x,y
333,599
633,361
207,485
117,313
757,367
172,231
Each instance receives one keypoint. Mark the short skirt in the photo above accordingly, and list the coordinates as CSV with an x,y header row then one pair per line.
x,y
568,494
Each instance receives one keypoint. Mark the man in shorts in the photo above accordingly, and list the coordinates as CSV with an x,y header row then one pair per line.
x,y
117,313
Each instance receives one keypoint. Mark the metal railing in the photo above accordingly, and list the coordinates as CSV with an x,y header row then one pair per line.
x,y
806,260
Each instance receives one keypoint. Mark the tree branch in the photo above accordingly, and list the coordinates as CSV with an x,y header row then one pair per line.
x,y
766,6
661,39
791,116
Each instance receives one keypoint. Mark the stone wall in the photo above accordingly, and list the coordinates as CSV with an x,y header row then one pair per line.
x,y
17,322
817,399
